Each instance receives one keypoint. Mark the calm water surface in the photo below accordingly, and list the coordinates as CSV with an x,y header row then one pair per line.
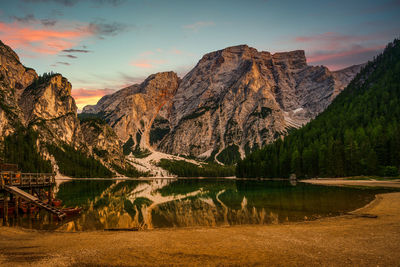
x,y
162,203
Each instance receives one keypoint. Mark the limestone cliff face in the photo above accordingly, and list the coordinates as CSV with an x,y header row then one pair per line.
x,y
239,98
14,78
50,109
103,141
133,111
233,101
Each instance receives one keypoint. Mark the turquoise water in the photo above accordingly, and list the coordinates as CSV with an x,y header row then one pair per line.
x,y
160,203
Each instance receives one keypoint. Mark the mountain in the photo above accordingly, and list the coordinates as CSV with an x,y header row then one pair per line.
x,y
39,127
133,111
232,102
358,134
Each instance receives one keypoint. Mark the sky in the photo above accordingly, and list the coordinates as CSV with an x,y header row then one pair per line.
x,y
105,45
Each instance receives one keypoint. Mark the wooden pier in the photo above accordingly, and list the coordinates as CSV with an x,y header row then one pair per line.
x,y
30,187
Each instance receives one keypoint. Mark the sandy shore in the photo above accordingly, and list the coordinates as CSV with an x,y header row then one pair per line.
x,y
373,183
347,240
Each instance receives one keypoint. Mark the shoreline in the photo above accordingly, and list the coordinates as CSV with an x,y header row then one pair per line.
x,y
346,182
351,239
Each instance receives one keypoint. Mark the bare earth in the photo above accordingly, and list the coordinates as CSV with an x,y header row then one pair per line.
x,y
353,239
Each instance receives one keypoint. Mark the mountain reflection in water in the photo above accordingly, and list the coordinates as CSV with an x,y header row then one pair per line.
x,y
202,202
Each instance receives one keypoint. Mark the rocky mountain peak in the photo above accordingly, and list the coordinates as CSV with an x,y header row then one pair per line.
x,y
295,59
234,100
161,81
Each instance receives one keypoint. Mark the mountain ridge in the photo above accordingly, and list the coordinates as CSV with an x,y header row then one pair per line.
x,y
242,98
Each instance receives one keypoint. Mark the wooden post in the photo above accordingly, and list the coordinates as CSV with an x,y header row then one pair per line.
x,y
50,196
30,203
5,208
16,201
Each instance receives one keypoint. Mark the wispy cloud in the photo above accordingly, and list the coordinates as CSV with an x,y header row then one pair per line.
x,y
40,40
72,50
61,2
147,63
336,50
320,56
85,97
48,22
70,3
30,18
198,25
176,51
146,53
69,56
101,28
60,63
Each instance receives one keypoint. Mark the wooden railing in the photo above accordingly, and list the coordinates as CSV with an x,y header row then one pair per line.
x,y
26,179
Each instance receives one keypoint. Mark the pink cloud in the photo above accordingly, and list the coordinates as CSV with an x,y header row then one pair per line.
x,y
327,55
331,36
85,97
146,53
337,50
40,40
198,25
147,63
176,51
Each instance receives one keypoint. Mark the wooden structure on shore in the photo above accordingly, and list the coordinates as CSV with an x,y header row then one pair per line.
x,y
27,186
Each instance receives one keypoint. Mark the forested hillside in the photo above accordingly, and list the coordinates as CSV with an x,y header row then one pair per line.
x,y
358,134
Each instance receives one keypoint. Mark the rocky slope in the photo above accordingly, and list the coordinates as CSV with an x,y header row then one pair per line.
x,y
234,100
133,111
103,141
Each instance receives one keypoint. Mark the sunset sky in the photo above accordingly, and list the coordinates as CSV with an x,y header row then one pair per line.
x,y
104,45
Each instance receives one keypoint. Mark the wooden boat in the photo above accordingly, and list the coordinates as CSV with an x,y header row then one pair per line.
x,y
56,202
71,211
25,208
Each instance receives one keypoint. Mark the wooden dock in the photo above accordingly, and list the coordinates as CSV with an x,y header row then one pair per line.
x,y
14,186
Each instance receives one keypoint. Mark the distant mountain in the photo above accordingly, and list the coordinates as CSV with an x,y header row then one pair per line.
x,y
233,101
358,134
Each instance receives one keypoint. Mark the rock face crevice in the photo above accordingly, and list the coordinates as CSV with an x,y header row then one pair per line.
x,y
234,100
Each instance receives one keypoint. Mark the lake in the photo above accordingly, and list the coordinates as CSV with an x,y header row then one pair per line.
x,y
160,203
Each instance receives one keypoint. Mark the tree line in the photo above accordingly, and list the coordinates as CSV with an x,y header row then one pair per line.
x,y
183,168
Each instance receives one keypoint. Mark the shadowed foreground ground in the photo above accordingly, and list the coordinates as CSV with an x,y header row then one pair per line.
x,y
346,240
